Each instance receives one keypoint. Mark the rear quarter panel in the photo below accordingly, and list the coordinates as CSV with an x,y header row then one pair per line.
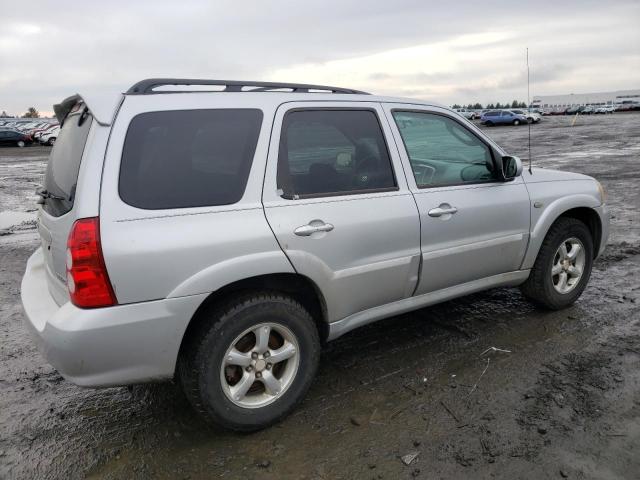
x,y
154,254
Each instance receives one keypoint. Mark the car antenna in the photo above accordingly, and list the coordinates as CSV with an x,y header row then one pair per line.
x,y
529,108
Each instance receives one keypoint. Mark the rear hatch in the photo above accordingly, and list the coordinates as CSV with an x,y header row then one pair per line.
x,y
56,214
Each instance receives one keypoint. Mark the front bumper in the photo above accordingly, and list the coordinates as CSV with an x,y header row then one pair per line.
x,y
103,347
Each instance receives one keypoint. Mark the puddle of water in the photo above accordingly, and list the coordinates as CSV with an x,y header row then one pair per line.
x,y
10,219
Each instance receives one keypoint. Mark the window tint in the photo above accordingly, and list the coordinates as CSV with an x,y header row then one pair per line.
x,y
441,151
188,158
324,152
64,161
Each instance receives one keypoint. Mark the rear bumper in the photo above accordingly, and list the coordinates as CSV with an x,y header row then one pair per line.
x,y
104,347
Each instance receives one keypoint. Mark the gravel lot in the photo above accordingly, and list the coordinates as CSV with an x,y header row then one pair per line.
x,y
565,403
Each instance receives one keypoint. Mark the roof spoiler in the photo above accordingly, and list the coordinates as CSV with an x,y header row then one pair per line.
x,y
63,108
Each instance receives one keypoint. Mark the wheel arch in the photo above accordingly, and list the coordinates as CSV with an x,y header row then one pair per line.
x,y
587,215
299,287
591,219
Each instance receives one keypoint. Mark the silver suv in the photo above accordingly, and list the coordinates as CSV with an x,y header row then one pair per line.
x,y
220,237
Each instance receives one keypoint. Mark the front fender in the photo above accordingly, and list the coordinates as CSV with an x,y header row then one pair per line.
x,y
554,201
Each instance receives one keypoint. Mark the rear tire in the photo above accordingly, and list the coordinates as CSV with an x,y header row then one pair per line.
x,y
51,142
554,282
224,355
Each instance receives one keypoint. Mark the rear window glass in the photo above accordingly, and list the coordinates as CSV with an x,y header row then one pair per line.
x,y
64,162
188,158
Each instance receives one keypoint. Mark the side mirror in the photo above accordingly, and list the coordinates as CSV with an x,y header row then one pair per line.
x,y
511,167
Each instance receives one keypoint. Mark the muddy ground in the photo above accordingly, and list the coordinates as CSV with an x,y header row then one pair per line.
x,y
565,403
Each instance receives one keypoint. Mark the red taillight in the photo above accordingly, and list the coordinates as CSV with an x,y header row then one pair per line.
x,y
87,278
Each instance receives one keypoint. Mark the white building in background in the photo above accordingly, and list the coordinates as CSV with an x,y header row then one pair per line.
x,y
577,99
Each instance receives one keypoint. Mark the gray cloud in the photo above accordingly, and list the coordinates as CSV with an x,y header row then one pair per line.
x,y
47,53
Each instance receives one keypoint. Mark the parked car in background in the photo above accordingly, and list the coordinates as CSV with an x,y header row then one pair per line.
x,y
49,137
531,116
574,110
588,110
502,117
14,138
605,109
468,114
37,133
35,126
628,106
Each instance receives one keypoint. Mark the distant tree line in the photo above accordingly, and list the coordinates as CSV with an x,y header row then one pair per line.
x,y
478,106
30,113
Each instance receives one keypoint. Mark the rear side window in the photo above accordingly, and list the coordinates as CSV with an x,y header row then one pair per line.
x,y
64,162
333,152
188,158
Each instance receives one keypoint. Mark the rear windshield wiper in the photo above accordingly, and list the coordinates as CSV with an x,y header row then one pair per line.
x,y
44,194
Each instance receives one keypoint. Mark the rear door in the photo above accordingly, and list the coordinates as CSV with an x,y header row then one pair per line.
x,y
472,225
337,200
56,215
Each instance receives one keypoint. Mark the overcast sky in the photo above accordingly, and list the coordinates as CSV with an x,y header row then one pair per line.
x,y
455,51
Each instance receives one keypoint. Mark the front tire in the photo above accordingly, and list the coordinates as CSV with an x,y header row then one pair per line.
x,y
20,144
251,361
516,122
563,266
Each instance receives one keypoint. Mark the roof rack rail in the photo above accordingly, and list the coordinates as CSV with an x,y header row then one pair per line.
x,y
147,86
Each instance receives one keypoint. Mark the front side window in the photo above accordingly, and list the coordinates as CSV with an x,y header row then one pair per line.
x,y
188,158
441,151
333,152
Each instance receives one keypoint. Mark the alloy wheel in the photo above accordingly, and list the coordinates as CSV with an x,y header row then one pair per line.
x,y
260,365
568,265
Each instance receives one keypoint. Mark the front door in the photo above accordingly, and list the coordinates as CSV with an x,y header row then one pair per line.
x,y
473,226
338,202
